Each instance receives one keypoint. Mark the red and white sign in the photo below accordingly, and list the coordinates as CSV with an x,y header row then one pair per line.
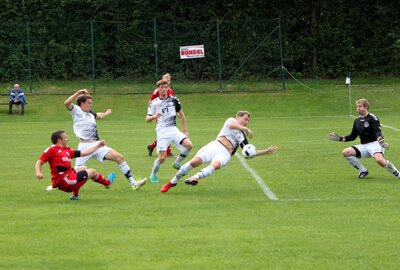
x,y
194,51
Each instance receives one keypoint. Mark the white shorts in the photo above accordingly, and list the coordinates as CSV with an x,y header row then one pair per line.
x,y
99,154
369,149
167,136
214,151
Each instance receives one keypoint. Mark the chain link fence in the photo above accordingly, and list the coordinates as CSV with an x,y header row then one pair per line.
x,y
96,51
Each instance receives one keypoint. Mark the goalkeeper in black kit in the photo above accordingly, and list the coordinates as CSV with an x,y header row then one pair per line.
x,y
368,128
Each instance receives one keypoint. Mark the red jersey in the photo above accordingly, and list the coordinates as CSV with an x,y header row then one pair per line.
x,y
156,93
59,159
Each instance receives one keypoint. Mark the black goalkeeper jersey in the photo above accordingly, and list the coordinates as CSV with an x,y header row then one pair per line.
x,y
368,128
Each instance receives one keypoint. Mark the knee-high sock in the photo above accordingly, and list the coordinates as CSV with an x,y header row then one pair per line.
x,y
392,169
207,171
156,166
182,155
185,169
355,162
102,180
126,170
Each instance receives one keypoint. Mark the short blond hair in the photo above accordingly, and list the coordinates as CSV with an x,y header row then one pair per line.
x,y
242,113
364,102
166,75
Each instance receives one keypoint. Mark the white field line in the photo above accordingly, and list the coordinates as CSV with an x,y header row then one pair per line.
x,y
259,180
336,199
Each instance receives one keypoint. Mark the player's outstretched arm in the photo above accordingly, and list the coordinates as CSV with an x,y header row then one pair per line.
x,y
101,115
270,150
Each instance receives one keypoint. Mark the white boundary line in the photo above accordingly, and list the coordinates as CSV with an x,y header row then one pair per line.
x,y
259,180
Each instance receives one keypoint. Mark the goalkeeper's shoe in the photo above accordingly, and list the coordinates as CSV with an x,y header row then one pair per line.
x,y
166,187
139,184
111,178
363,174
74,198
192,181
176,165
153,178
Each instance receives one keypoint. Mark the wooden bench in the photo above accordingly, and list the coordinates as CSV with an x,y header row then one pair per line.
x,y
16,106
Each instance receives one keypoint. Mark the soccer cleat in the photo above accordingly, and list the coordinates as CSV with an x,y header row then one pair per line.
x,y
150,149
176,166
191,181
74,198
166,187
153,178
111,178
139,184
362,175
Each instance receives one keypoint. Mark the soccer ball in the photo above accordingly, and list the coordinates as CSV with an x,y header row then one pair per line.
x,y
249,151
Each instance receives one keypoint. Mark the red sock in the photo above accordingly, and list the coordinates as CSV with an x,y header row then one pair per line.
x,y
153,145
169,151
102,180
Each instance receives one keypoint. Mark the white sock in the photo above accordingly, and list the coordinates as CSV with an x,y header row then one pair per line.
x,y
185,169
126,170
182,155
207,171
392,169
355,162
156,167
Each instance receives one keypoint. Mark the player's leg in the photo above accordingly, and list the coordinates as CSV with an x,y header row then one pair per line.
x,y
184,145
117,157
10,104
353,155
184,169
98,177
150,147
387,164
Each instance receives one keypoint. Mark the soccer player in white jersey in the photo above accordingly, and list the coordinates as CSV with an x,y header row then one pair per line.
x,y
219,152
86,130
164,110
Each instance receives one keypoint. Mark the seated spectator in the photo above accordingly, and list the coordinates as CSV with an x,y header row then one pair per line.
x,y
17,97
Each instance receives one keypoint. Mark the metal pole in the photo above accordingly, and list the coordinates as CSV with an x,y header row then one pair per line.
x,y
93,62
28,44
219,58
281,54
155,46
348,83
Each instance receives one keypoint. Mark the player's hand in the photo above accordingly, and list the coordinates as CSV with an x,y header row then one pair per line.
x,y
272,149
382,142
83,92
101,143
39,175
333,136
186,132
249,133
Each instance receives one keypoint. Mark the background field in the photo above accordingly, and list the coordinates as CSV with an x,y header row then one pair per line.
x,y
324,218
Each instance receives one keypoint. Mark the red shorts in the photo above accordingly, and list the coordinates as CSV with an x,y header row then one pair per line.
x,y
73,181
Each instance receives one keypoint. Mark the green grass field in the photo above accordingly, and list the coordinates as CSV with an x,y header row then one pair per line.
x,y
324,216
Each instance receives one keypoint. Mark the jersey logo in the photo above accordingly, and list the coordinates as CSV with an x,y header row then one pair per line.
x,y
366,124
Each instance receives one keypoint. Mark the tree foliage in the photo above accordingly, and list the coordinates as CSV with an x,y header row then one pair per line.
x,y
65,39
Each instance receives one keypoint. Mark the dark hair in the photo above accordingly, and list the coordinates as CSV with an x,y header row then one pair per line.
x,y
55,136
82,99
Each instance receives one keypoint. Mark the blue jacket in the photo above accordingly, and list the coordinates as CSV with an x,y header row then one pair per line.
x,y
19,95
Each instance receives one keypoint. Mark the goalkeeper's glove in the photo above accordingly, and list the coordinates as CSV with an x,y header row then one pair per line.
x,y
383,143
333,136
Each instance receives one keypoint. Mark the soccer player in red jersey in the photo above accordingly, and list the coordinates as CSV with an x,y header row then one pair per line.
x,y
155,94
63,176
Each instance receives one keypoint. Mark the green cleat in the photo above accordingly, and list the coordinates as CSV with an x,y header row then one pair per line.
x,y
153,178
176,166
74,198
